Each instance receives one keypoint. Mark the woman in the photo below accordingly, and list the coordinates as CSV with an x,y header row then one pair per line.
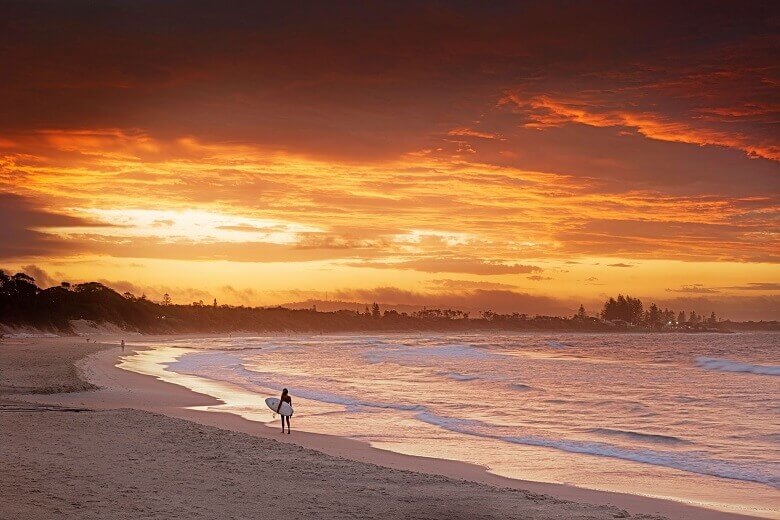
x,y
285,399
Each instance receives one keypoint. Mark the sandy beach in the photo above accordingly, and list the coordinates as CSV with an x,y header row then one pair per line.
x,y
81,438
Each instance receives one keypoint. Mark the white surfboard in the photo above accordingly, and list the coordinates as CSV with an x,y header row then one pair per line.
x,y
285,409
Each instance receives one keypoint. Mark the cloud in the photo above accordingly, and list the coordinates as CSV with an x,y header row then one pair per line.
x,y
620,264
248,228
545,111
696,288
528,132
737,308
756,286
42,278
246,296
456,285
469,132
20,235
539,278
183,249
453,265
179,295
477,300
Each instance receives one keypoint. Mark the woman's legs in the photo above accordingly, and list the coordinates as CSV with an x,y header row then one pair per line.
x,y
288,424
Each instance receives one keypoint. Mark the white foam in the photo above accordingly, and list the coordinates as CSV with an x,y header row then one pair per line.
x,y
685,461
726,365
222,366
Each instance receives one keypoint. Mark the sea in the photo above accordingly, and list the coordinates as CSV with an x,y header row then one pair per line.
x,y
688,417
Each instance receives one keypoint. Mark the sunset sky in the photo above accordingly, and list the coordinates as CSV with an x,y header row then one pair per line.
x,y
515,157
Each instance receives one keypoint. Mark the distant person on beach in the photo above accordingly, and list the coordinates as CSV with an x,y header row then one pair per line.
x,y
285,398
123,345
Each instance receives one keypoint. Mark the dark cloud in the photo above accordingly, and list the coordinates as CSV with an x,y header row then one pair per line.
x,y
378,80
477,300
738,308
20,236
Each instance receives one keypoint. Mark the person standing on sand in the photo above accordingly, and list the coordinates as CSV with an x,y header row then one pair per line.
x,y
123,345
285,398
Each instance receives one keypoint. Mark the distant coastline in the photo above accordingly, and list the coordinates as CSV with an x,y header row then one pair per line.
x,y
62,310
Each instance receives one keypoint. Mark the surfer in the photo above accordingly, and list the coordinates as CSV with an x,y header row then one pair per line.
x,y
285,399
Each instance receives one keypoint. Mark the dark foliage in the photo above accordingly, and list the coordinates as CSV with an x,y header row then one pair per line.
x,y
22,303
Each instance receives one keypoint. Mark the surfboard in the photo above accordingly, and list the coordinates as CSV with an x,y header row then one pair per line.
x,y
273,402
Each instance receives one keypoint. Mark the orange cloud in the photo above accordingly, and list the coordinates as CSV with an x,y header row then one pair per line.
x,y
545,111
417,143
469,132
453,265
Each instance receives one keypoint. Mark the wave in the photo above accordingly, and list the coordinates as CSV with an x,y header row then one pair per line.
x,y
556,344
726,365
518,386
639,436
218,367
684,461
423,355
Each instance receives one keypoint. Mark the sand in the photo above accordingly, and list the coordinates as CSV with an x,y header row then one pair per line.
x,y
132,450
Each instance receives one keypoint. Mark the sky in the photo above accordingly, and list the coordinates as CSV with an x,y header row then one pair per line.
x,y
522,156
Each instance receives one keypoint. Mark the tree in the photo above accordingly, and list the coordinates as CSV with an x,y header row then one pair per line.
x,y
215,302
610,310
166,299
693,318
581,314
712,320
375,311
681,318
654,317
624,308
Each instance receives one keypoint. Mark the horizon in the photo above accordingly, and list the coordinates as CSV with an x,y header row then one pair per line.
x,y
273,155
650,316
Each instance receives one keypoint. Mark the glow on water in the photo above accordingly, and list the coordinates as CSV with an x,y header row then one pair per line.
x,y
692,418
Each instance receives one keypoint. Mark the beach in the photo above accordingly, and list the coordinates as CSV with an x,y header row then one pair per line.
x,y
135,448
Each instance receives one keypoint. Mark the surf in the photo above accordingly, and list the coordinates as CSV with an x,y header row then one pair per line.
x,y
676,460
726,365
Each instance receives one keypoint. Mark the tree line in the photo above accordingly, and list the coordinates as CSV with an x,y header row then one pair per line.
x,y
23,303
631,310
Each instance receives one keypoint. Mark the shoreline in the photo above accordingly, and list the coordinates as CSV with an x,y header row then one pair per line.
x,y
121,388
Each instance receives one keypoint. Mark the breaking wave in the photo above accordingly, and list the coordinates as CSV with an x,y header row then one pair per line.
x,y
639,436
684,461
726,365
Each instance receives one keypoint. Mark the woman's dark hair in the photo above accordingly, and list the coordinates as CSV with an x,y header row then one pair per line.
x,y
284,390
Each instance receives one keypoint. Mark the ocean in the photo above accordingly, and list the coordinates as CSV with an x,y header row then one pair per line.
x,y
687,417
